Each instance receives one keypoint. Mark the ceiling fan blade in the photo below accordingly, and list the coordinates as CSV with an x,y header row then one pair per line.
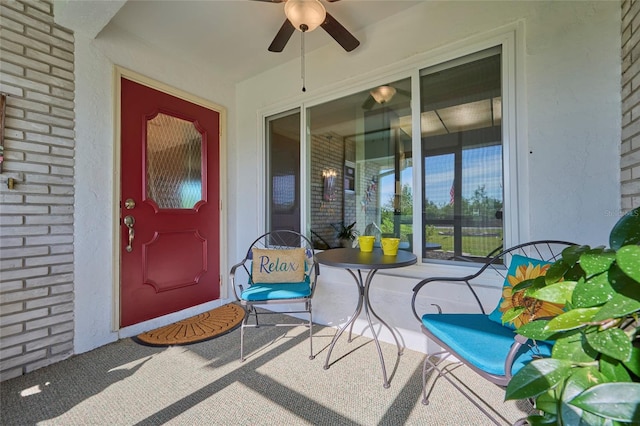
x,y
283,36
340,33
369,103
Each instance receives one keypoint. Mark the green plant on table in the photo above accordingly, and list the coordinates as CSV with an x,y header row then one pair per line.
x,y
593,374
347,233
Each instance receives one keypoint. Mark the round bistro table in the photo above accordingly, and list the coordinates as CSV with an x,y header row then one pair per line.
x,y
355,261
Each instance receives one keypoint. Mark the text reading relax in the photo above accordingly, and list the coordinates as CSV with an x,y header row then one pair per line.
x,y
267,266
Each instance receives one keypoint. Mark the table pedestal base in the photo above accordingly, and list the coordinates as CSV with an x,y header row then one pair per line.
x,y
363,300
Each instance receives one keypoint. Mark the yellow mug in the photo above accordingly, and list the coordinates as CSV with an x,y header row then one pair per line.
x,y
390,246
366,243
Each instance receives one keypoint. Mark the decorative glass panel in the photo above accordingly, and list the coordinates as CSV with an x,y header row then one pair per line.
x,y
174,162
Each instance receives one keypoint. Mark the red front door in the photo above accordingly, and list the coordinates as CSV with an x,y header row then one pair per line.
x,y
169,204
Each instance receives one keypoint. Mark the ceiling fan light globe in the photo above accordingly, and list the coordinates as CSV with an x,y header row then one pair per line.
x,y
383,94
301,13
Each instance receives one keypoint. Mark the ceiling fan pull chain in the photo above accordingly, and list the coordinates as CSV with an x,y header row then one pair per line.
x,y
302,70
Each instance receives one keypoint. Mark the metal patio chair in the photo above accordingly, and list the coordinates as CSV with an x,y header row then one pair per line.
x,y
480,340
279,268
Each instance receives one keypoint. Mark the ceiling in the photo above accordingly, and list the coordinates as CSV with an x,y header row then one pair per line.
x,y
229,36
232,36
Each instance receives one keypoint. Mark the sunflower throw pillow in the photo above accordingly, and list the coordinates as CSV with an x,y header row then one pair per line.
x,y
523,268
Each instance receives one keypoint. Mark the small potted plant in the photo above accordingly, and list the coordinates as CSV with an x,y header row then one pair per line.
x,y
593,374
346,235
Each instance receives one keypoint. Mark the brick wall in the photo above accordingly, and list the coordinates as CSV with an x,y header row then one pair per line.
x,y
630,160
36,217
327,150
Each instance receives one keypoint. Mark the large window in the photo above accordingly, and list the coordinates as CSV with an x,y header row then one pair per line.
x,y
360,168
460,114
359,165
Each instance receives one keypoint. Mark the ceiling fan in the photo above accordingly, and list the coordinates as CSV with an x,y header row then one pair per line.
x,y
307,15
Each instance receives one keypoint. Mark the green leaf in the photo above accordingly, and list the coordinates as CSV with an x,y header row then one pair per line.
x,y
512,314
581,379
628,259
548,402
612,342
626,231
575,318
613,370
522,285
622,283
574,273
545,420
572,348
627,300
538,283
593,292
572,254
617,401
634,362
537,377
597,261
556,293
536,330
556,272
617,307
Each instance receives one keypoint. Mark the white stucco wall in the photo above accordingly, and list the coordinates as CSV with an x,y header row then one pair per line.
x,y
568,111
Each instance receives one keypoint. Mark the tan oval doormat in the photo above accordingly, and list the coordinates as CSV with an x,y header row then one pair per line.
x,y
207,325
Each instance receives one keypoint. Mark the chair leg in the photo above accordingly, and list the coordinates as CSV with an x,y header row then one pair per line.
x,y
242,342
242,327
425,372
427,368
255,314
252,310
311,355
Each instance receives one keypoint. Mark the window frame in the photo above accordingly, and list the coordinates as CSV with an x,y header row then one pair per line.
x,y
267,172
511,40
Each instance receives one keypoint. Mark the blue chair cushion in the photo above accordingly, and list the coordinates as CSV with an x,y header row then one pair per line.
x,y
276,291
481,341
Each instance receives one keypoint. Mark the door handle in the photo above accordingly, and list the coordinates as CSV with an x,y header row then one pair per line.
x,y
129,221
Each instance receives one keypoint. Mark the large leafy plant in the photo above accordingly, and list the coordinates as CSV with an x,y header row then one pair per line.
x,y
593,374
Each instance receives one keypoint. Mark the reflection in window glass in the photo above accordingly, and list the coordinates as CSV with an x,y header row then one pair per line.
x,y
462,150
361,165
190,193
173,162
283,150
284,192
439,187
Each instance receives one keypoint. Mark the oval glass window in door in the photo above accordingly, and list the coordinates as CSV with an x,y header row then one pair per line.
x,y
173,162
